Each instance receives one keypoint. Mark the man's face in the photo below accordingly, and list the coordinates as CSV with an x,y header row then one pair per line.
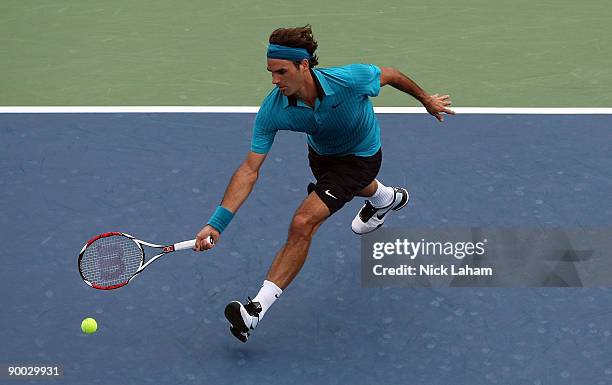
x,y
286,76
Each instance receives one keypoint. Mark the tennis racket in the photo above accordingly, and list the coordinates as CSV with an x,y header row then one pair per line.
x,y
111,260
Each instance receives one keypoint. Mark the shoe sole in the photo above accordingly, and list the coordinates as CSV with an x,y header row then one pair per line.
x,y
367,232
232,313
241,337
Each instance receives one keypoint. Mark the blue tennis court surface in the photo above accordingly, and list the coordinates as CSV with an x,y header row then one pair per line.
x,y
66,177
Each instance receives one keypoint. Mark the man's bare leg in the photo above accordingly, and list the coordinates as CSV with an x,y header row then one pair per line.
x,y
285,267
291,257
369,190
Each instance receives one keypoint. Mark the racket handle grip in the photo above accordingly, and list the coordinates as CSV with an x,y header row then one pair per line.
x,y
189,244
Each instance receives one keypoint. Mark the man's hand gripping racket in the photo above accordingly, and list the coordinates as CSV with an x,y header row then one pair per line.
x,y
111,260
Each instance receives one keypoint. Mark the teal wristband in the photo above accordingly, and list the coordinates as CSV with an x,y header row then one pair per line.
x,y
220,218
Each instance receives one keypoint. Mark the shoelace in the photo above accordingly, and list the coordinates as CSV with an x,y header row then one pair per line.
x,y
367,212
252,309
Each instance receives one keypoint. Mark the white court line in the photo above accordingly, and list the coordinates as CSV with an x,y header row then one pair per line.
x,y
252,110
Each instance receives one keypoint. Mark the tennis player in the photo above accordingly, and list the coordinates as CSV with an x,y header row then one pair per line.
x,y
332,106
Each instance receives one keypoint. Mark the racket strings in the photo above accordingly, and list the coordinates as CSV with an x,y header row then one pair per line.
x,y
111,260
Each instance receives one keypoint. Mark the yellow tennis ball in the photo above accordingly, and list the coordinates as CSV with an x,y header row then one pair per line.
x,y
89,326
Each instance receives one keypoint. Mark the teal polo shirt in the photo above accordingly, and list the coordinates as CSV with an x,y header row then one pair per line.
x,y
342,121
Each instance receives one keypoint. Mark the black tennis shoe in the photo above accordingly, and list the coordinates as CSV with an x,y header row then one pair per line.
x,y
242,318
370,218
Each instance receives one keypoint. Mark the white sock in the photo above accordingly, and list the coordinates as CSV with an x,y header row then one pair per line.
x,y
383,196
268,293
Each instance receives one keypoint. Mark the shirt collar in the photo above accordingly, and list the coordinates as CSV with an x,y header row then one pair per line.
x,y
327,90
323,89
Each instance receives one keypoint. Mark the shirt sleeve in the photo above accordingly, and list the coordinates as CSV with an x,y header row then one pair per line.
x,y
263,133
365,79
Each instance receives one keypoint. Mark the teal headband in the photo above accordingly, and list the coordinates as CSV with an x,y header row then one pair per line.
x,y
276,51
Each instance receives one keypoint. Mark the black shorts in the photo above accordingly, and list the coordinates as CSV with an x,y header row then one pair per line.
x,y
339,178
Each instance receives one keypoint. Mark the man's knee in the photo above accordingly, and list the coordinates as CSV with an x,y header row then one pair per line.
x,y
302,225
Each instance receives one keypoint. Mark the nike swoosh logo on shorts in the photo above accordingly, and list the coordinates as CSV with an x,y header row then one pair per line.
x,y
328,193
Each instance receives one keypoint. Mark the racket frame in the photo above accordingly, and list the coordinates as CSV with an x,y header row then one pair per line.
x,y
165,250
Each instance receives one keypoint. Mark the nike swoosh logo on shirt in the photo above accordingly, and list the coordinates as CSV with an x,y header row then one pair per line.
x,y
336,105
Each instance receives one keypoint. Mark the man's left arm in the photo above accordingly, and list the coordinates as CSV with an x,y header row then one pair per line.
x,y
435,104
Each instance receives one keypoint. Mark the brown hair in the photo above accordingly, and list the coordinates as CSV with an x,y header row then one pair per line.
x,y
300,37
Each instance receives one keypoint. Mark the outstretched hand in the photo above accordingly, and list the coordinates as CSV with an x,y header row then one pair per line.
x,y
436,105
203,241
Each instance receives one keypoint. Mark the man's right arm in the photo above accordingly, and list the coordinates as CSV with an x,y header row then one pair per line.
x,y
236,193
242,182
